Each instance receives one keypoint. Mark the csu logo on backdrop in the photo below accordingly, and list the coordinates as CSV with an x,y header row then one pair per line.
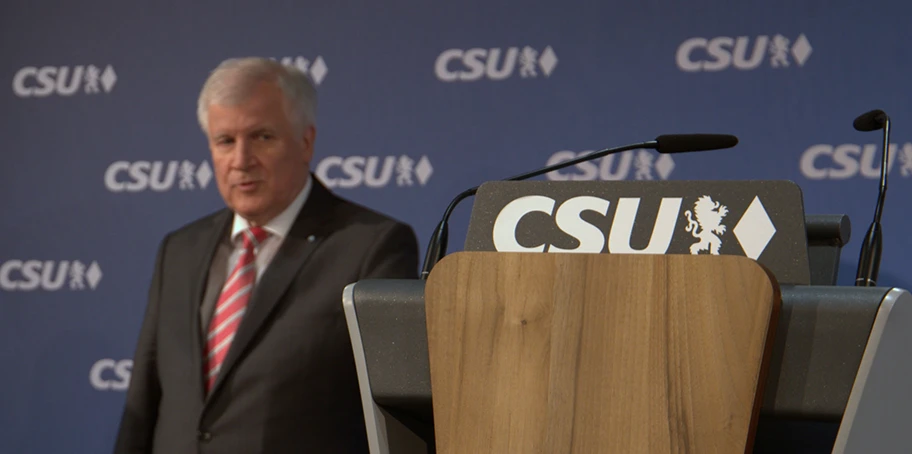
x,y
374,171
316,70
108,374
840,162
641,164
703,224
49,275
125,176
494,64
33,81
742,52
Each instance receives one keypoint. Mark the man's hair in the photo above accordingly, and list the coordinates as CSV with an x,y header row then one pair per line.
x,y
233,80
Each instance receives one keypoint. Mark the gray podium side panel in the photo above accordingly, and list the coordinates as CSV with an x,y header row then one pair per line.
x,y
385,434
878,415
819,343
394,331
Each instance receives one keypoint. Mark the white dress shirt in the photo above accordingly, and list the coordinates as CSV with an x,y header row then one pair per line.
x,y
278,229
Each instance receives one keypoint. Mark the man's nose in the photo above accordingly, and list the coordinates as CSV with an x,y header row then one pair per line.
x,y
243,154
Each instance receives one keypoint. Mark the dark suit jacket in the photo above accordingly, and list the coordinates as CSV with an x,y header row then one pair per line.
x,y
288,384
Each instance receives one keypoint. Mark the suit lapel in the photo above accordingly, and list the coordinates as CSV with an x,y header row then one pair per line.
x,y
302,240
209,245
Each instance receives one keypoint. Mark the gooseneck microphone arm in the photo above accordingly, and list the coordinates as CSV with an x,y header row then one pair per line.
x,y
872,244
598,154
437,245
882,193
670,143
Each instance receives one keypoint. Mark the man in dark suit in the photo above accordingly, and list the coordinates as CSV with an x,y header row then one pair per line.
x,y
244,346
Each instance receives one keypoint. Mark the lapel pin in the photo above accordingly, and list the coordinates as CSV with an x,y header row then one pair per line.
x,y
311,239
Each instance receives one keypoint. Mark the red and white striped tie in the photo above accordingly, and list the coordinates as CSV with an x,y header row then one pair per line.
x,y
231,305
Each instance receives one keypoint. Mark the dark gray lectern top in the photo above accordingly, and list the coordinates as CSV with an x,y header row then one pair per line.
x,y
760,219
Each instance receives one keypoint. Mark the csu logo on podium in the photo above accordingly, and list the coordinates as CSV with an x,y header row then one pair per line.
x,y
762,220
110,375
703,222
49,275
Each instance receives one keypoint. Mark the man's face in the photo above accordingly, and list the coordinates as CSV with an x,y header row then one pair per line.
x,y
261,163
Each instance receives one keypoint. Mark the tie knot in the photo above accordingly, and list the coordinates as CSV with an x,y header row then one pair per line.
x,y
254,236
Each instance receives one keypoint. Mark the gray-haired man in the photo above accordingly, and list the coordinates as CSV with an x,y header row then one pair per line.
x,y
244,346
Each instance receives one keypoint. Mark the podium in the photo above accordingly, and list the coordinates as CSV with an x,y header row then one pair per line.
x,y
840,368
755,365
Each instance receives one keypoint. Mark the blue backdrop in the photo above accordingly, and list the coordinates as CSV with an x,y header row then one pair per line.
x,y
418,100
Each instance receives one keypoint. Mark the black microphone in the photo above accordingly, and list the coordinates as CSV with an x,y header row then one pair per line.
x,y
669,143
872,245
870,121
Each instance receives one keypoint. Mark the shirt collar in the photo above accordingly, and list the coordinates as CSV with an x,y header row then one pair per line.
x,y
281,224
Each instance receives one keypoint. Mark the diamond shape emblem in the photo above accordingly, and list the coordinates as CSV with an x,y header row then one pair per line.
x,y
108,78
801,50
93,275
203,174
663,166
318,70
423,170
755,229
547,61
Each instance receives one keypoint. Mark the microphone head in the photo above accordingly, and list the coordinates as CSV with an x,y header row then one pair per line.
x,y
870,121
683,143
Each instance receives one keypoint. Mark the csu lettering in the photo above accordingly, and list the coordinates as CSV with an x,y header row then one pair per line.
x,y
742,52
65,81
28,275
591,239
640,164
373,171
849,160
496,64
125,176
107,374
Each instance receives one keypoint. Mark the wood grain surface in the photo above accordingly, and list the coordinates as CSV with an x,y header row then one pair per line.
x,y
598,353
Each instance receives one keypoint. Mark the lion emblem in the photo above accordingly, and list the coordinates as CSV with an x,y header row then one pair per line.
x,y
705,223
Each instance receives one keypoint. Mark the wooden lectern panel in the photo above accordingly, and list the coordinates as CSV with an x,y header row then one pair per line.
x,y
598,353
